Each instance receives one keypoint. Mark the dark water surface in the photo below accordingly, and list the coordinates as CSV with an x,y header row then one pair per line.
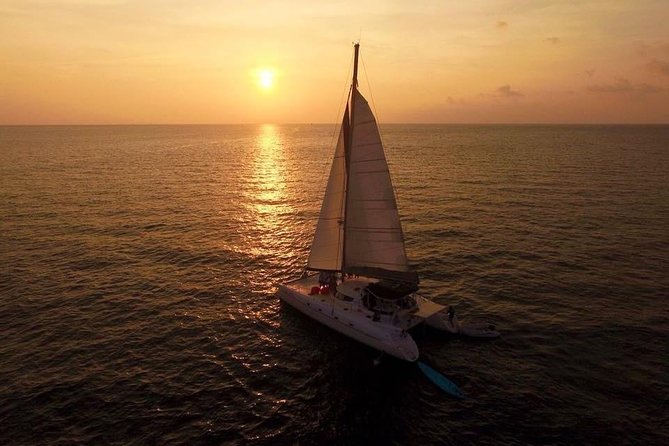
x,y
138,269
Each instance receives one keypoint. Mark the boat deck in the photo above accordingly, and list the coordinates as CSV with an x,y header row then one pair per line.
x,y
306,287
303,285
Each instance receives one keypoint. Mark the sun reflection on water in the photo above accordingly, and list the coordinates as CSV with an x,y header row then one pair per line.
x,y
270,206
269,169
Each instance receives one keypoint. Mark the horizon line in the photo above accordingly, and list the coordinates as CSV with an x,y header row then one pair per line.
x,y
321,123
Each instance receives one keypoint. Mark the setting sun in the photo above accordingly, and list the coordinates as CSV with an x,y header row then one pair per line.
x,y
266,79
513,61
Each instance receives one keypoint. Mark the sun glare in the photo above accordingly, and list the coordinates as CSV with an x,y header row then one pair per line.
x,y
265,79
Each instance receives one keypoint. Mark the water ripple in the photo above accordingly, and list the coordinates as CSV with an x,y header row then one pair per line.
x,y
139,266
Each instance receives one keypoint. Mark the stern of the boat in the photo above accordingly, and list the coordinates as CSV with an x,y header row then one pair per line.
x,y
404,347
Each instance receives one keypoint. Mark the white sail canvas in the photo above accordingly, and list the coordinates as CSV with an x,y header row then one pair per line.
x,y
326,249
374,239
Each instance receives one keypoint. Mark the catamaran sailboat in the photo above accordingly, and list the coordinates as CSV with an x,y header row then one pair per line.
x,y
358,280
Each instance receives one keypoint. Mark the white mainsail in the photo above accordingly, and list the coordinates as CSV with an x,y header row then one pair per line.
x,y
374,243
326,249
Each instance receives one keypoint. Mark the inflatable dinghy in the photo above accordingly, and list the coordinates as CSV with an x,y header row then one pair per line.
x,y
448,321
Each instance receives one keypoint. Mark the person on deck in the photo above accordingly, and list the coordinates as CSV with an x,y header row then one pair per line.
x,y
453,324
333,282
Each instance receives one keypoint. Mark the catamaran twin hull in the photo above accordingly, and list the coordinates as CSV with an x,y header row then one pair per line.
x,y
359,232
348,311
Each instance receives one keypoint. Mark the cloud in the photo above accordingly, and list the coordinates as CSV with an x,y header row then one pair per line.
x,y
659,66
450,100
501,24
619,86
505,91
657,48
622,85
553,40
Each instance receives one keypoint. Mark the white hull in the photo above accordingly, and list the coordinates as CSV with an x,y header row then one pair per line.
x,y
352,319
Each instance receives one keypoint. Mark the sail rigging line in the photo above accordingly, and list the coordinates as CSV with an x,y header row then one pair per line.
x,y
371,95
341,99
337,124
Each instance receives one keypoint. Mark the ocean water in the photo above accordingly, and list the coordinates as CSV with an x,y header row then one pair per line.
x,y
138,270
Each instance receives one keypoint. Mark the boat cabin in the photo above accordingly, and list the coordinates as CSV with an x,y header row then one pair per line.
x,y
378,296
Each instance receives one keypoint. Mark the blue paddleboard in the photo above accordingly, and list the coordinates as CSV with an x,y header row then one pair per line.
x,y
441,381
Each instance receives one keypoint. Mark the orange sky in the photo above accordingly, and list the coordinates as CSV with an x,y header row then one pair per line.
x,y
476,61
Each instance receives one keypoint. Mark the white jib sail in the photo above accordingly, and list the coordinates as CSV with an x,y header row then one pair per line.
x,y
326,249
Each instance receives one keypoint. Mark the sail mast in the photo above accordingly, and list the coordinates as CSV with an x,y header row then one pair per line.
x,y
349,143
356,46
